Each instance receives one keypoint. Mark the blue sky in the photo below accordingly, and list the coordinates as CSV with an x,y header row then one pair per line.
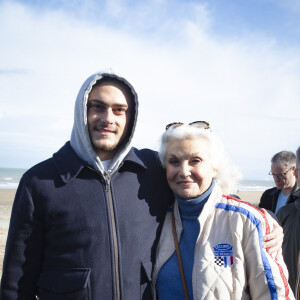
x,y
233,63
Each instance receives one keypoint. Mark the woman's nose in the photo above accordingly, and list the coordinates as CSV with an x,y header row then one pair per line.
x,y
185,170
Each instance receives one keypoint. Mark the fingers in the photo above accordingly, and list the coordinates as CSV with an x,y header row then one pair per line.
x,y
276,234
273,241
272,246
279,254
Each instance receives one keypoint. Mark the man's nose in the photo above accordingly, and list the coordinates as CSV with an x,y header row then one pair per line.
x,y
277,178
107,116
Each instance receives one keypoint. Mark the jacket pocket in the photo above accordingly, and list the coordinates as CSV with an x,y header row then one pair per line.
x,y
65,284
146,271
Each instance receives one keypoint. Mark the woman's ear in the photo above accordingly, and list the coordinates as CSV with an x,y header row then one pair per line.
x,y
215,172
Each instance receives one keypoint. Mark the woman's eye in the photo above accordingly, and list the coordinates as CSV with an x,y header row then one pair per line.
x,y
173,161
196,160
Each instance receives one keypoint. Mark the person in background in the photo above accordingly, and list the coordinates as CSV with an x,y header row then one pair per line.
x,y
283,166
85,223
289,218
220,253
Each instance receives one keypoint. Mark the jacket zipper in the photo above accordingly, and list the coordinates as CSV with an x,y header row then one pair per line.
x,y
114,236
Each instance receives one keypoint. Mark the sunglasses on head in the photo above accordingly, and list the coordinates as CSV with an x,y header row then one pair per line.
x,y
197,124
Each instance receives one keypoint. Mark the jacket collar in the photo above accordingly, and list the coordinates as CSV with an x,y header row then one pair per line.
x,y
69,164
296,198
213,198
292,196
134,156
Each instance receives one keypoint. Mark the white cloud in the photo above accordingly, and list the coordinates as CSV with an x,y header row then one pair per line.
x,y
247,88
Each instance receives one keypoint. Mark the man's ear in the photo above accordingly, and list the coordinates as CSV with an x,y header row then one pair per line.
x,y
295,172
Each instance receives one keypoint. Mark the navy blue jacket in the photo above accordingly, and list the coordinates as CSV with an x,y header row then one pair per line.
x,y
289,218
64,245
269,199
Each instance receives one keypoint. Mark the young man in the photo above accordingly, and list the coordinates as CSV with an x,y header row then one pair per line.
x,y
283,166
289,218
86,222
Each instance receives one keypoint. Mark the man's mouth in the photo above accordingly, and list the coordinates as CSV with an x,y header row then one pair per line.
x,y
104,130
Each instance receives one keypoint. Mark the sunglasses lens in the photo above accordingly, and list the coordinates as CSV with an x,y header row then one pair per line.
x,y
197,124
200,124
173,125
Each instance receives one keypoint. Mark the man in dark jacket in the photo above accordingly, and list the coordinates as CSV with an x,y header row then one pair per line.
x,y
283,166
289,218
86,222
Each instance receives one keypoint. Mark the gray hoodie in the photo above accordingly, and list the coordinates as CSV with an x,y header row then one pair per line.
x,y
80,140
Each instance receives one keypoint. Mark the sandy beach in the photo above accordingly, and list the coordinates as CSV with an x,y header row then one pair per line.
x,y
7,196
6,200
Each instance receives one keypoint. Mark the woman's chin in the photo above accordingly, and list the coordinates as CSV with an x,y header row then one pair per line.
x,y
186,195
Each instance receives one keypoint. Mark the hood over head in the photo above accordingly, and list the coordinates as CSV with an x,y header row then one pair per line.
x,y
80,139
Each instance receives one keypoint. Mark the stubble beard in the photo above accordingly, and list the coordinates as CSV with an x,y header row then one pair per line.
x,y
106,147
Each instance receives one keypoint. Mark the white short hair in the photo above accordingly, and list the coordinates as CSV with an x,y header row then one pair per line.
x,y
227,174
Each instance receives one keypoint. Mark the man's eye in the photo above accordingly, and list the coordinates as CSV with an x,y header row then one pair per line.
x,y
95,106
120,110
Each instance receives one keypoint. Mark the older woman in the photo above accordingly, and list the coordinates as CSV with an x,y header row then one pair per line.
x,y
220,253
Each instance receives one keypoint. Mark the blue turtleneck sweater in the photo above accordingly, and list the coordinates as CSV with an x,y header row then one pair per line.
x,y
169,285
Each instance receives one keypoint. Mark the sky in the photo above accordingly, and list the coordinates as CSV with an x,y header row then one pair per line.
x,y
233,63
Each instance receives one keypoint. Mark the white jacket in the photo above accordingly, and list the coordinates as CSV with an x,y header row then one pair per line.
x,y
229,261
